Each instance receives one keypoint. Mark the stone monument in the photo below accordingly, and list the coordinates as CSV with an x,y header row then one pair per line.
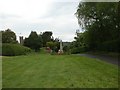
x,y
61,48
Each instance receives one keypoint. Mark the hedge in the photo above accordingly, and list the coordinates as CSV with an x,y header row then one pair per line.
x,y
76,50
14,49
112,46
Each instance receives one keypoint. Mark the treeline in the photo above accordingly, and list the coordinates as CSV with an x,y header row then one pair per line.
x,y
100,22
36,41
10,45
33,42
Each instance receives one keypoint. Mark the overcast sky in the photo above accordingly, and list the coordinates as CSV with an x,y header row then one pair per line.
x,y
24,16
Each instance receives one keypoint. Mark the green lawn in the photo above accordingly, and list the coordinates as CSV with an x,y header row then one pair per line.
x,y
57,71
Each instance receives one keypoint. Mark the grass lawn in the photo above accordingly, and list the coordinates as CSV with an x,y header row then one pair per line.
x,y
57,71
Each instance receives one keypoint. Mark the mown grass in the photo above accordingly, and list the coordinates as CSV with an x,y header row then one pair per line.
x,y
57,71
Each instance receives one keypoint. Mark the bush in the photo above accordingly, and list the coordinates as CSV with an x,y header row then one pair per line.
x,y
14,49
76,50
111,46
66,50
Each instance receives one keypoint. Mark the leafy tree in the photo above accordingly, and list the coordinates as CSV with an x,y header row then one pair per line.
x,y
33,41
79,44
53,45
8,36
66,48
40,40
57,44
100,23
47,37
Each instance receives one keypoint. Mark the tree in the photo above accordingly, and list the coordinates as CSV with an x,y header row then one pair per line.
x,y
47,37
79,44
33,41
8,36
53,45
40,40
100,22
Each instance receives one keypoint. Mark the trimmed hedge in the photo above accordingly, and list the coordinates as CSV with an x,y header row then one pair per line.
x,y
76,50
14,49
111,46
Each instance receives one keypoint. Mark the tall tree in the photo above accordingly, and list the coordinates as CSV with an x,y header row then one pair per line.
x,y
100,22
33,41
8,36
47,37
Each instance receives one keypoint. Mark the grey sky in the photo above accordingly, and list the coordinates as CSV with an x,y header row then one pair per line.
x,y
39,15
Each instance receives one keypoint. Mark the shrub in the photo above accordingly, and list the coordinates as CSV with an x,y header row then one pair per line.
x,y
111,46
14,49
76,50
66,50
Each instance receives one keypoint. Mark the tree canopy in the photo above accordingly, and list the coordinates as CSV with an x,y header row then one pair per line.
x,y
33,41
47,37
100,22
8,36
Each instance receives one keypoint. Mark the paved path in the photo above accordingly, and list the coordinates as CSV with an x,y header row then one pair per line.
x,y
104,58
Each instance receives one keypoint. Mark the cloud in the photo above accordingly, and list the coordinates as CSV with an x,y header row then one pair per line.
x,y
25,8
25,16
7,16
